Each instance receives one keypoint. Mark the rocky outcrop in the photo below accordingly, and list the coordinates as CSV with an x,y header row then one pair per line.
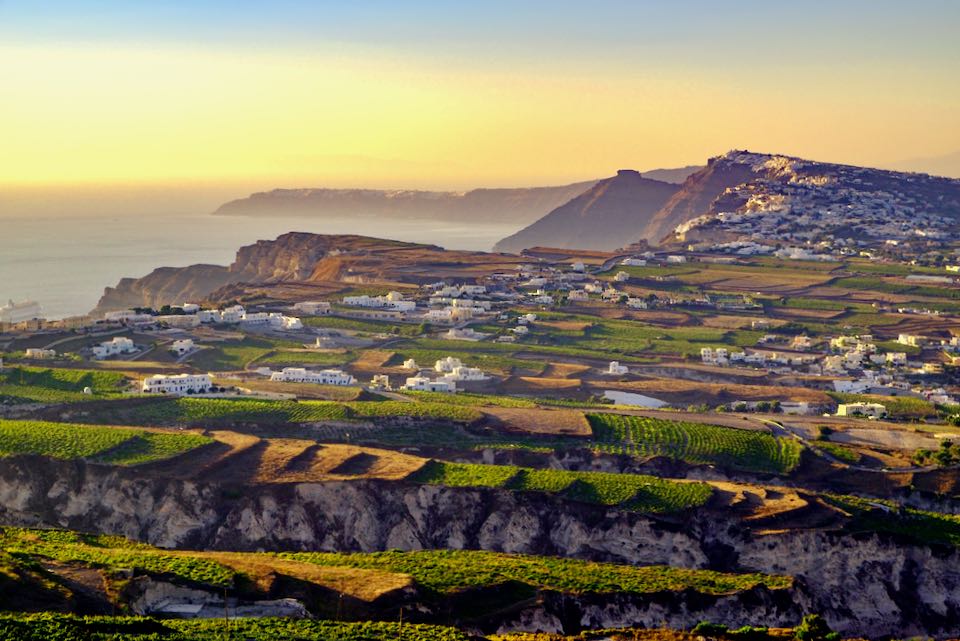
x,y
866,584
599,218
290,257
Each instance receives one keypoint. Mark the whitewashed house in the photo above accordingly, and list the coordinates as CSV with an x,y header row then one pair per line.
x,y
182,346
119,345
177,384
321,377
313,308
424,384
616,369
39,353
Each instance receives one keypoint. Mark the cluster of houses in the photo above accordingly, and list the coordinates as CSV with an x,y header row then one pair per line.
x,y
449,371
191,316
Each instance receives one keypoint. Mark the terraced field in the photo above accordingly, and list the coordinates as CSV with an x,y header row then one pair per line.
x,y
114,445
630,491
57,385
450,571
206,411
694,442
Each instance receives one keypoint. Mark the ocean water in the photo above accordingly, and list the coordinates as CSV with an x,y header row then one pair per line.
x,y
65,262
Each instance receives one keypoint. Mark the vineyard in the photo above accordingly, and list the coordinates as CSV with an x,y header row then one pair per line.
x,y
205,411
450,571
694,442
40,385
66,627
636,492
114,445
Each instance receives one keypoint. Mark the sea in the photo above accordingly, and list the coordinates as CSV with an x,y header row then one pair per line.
x,y
64,262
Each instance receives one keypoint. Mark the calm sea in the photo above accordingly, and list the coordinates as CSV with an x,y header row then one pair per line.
x,y
64,263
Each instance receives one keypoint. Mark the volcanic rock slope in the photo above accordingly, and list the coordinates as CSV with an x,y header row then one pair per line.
x,y
742,194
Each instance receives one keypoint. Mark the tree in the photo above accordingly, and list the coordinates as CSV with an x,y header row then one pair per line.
x,y
814,628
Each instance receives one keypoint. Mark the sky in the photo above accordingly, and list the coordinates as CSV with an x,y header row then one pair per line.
x,y
234,96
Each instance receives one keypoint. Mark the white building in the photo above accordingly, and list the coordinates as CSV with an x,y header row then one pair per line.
x,y
526,318
578,295
616,369
447,364
190,308
466,334
633,262
233,314
578,267
209,316
322,377
676,259
464,373
39,353
411,365
182,321
870,410
621,277
637,303
896,359
911,339
313,308
718,356
424,384
119,345
182,346
177,384
392,300
274,320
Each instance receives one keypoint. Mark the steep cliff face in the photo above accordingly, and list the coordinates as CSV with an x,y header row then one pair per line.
x,y
292,256
607,216
695,196
166,285
868,585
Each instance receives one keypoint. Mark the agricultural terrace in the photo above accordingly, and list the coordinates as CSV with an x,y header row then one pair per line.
x,y
636,492
875,515
610,338
259,350
750,450
24,384
206,411
451,571
364,326
113,445
55,627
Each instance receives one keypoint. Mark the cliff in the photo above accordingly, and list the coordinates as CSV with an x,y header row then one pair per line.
x,y
520,205
865,584
291,257
602,217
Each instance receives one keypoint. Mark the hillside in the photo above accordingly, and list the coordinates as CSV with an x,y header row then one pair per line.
x,y
597,218
520,205
761,197
296,257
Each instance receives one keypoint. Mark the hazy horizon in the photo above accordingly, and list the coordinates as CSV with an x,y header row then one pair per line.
x,y
221,100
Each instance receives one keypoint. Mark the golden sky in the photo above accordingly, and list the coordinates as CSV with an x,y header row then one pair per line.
x,y
358,113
